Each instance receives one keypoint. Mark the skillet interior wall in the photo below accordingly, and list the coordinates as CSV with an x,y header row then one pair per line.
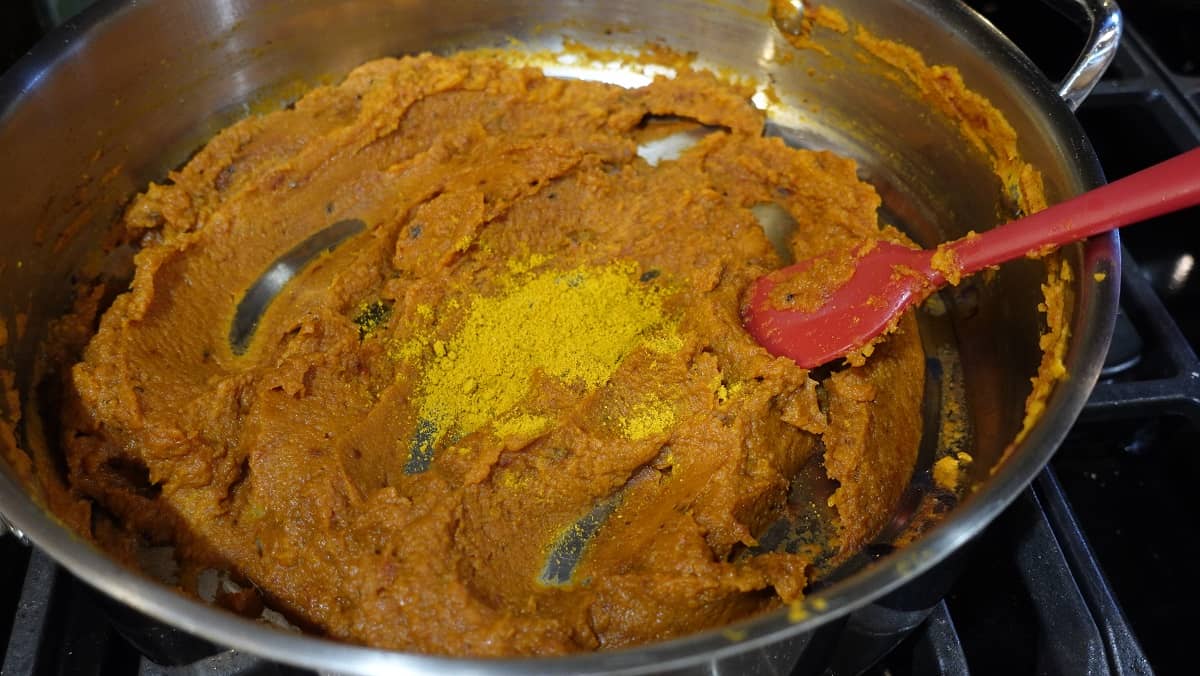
x,y
123,117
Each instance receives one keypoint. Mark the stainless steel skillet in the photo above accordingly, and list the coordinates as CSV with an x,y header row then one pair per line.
x,y
111,101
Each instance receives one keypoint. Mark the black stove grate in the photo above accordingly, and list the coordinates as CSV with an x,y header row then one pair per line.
x,y
1033,597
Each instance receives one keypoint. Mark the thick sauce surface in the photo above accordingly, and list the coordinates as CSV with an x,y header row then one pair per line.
x,y
518,414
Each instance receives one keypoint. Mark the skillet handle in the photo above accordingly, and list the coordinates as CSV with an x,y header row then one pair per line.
x,y
1105,24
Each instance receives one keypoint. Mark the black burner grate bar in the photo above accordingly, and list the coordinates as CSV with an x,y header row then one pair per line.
x,y
33,612
1137,73
1179,392
1124,653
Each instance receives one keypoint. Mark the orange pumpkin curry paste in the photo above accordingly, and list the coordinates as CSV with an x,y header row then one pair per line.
x,y
517,413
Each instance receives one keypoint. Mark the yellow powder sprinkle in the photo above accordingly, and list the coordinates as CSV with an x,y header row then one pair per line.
x,y
510,479
407,350
665,342
945,473
370,316
648,418
525,425
734,635
518,267
724,391
797,612
575,326
1100,276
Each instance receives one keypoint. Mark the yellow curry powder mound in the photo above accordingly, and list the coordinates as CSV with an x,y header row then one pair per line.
x,y
575,326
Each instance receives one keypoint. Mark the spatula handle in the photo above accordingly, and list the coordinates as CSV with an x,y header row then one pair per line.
x,y
1163,188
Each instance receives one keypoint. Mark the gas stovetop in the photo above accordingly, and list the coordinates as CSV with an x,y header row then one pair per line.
x,y
1089,571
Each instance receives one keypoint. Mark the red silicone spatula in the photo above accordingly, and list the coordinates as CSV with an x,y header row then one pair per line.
x,y
890,278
